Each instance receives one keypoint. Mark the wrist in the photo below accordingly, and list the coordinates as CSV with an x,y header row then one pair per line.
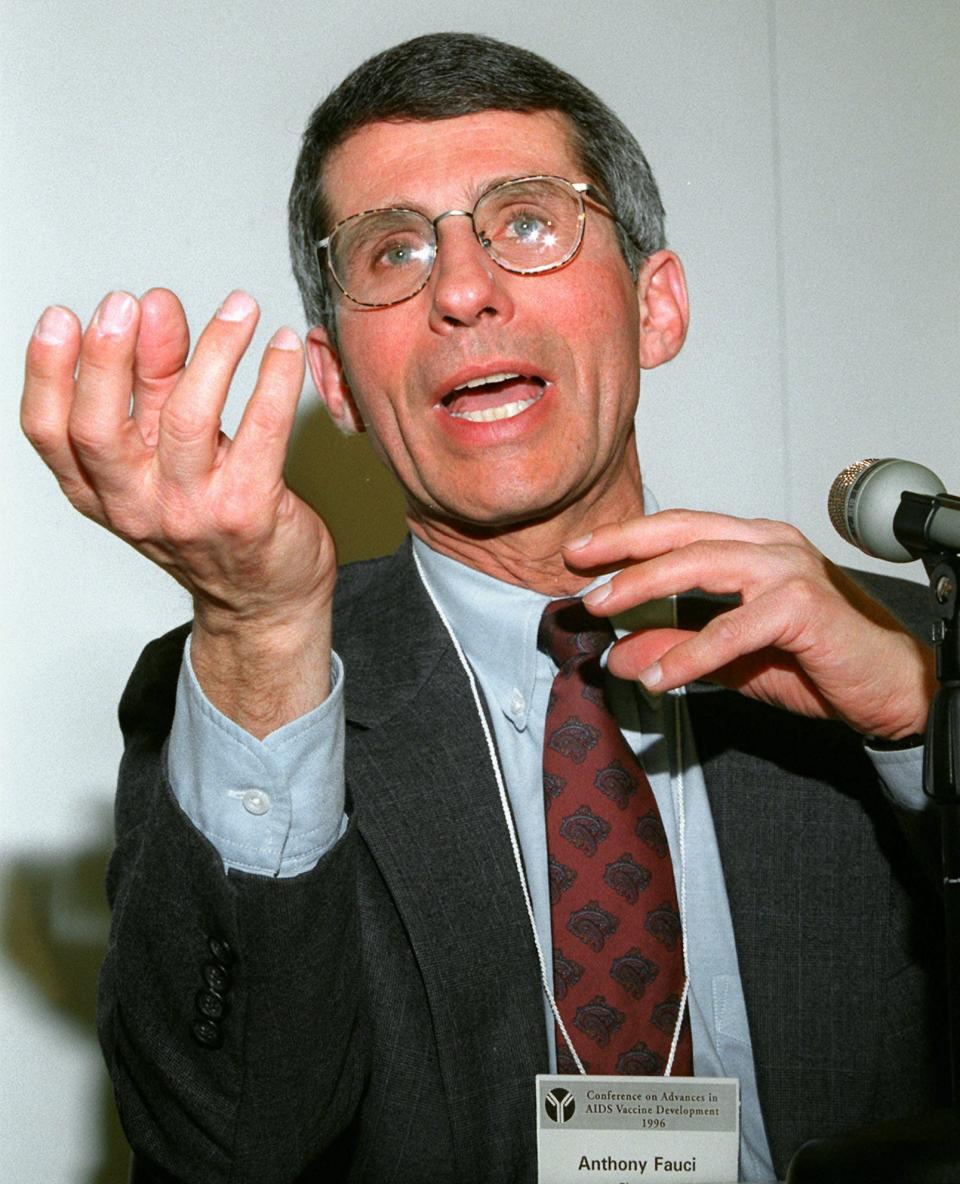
x,y
278,635
916,686
259,619
263,672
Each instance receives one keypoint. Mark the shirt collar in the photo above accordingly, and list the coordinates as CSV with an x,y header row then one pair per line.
x,y
496,623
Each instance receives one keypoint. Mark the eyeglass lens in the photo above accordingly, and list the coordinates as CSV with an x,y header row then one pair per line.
x,y
526,226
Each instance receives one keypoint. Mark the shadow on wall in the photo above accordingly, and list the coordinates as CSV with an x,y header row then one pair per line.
x,y
55,925
347,485
55,921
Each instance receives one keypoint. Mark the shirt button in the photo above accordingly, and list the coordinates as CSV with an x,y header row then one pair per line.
x,y
518,704
256,801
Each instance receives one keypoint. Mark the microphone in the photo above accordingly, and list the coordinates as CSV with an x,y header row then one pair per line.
x,y
894,509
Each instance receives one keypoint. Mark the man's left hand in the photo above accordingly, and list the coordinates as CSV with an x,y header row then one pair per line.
x,y
804,637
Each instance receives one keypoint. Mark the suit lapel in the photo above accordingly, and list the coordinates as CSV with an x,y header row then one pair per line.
x,y
428,808
808,890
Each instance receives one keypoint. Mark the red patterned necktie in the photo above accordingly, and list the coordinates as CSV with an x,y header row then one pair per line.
x,y
617,950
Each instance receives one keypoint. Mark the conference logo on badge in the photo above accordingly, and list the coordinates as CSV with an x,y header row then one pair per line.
x,y
559,1105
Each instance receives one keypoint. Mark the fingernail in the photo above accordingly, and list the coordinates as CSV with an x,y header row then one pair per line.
x,y
285,338
115,313
576,544
54,325
237,307
651,676
598,595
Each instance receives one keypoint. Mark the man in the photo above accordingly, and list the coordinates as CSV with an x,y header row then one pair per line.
x,y
479,246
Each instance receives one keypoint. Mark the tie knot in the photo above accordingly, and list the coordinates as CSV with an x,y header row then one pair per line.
x,y
568,631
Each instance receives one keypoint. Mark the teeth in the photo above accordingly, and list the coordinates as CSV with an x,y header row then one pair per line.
x,y
466,386
489,414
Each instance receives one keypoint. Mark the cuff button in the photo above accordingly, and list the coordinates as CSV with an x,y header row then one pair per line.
x,y
221,949
207,1033
211,1006
216,977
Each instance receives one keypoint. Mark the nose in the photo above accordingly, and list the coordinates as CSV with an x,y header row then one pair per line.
x,y
466,286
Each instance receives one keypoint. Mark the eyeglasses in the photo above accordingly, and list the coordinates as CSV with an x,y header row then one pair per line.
x,y
527,226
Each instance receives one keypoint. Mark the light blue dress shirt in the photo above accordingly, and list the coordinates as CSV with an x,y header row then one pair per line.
x,y
273,807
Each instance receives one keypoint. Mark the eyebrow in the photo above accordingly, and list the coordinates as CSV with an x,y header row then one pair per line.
x,y
473,194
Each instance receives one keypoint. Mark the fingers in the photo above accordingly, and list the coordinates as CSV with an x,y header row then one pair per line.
x,y
189,426
634,654
655,534
161,353
778,576
715,567
663,659
802,637
260,447
99,425
83,426
48,385
48,397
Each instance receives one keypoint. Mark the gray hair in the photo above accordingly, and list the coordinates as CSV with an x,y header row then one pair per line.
x,y
441,76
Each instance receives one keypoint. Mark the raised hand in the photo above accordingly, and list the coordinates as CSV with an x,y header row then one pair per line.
x,y
804,636
132,434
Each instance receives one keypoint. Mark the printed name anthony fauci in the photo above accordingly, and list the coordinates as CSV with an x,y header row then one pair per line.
x,y
610,1164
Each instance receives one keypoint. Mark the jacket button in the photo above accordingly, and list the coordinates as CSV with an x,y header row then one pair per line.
x,y
216,977
211,1006
207,1033
221,949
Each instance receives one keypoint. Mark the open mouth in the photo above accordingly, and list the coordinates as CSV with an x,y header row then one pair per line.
x,y
494,396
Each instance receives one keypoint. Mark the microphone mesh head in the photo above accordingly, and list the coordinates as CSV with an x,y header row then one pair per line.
x,y
837,498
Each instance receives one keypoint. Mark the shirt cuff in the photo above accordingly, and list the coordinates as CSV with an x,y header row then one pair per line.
x,y
272,807
901,772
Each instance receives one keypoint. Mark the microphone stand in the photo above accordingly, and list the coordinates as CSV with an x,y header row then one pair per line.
x,y
941,775
923,1150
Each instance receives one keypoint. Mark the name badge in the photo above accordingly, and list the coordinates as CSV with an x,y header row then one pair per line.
x,y
619,1130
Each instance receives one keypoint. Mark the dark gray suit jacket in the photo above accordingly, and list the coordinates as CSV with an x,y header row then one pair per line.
x,y
384,1019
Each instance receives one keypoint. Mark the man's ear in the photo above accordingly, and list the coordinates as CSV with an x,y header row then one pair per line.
x,y
664,309
331,383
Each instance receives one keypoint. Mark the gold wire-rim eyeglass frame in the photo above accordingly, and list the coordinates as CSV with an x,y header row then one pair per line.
x,y
581,189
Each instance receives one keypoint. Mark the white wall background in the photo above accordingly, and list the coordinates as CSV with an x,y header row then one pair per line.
x,y
808,156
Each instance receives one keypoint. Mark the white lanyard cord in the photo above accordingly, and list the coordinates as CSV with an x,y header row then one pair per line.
x,y
676,777
677,782
505,805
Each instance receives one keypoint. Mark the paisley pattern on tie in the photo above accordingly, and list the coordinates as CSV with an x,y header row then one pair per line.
x,y
618,954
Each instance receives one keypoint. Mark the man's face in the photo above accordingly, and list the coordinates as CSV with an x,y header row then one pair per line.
x,y
571,334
